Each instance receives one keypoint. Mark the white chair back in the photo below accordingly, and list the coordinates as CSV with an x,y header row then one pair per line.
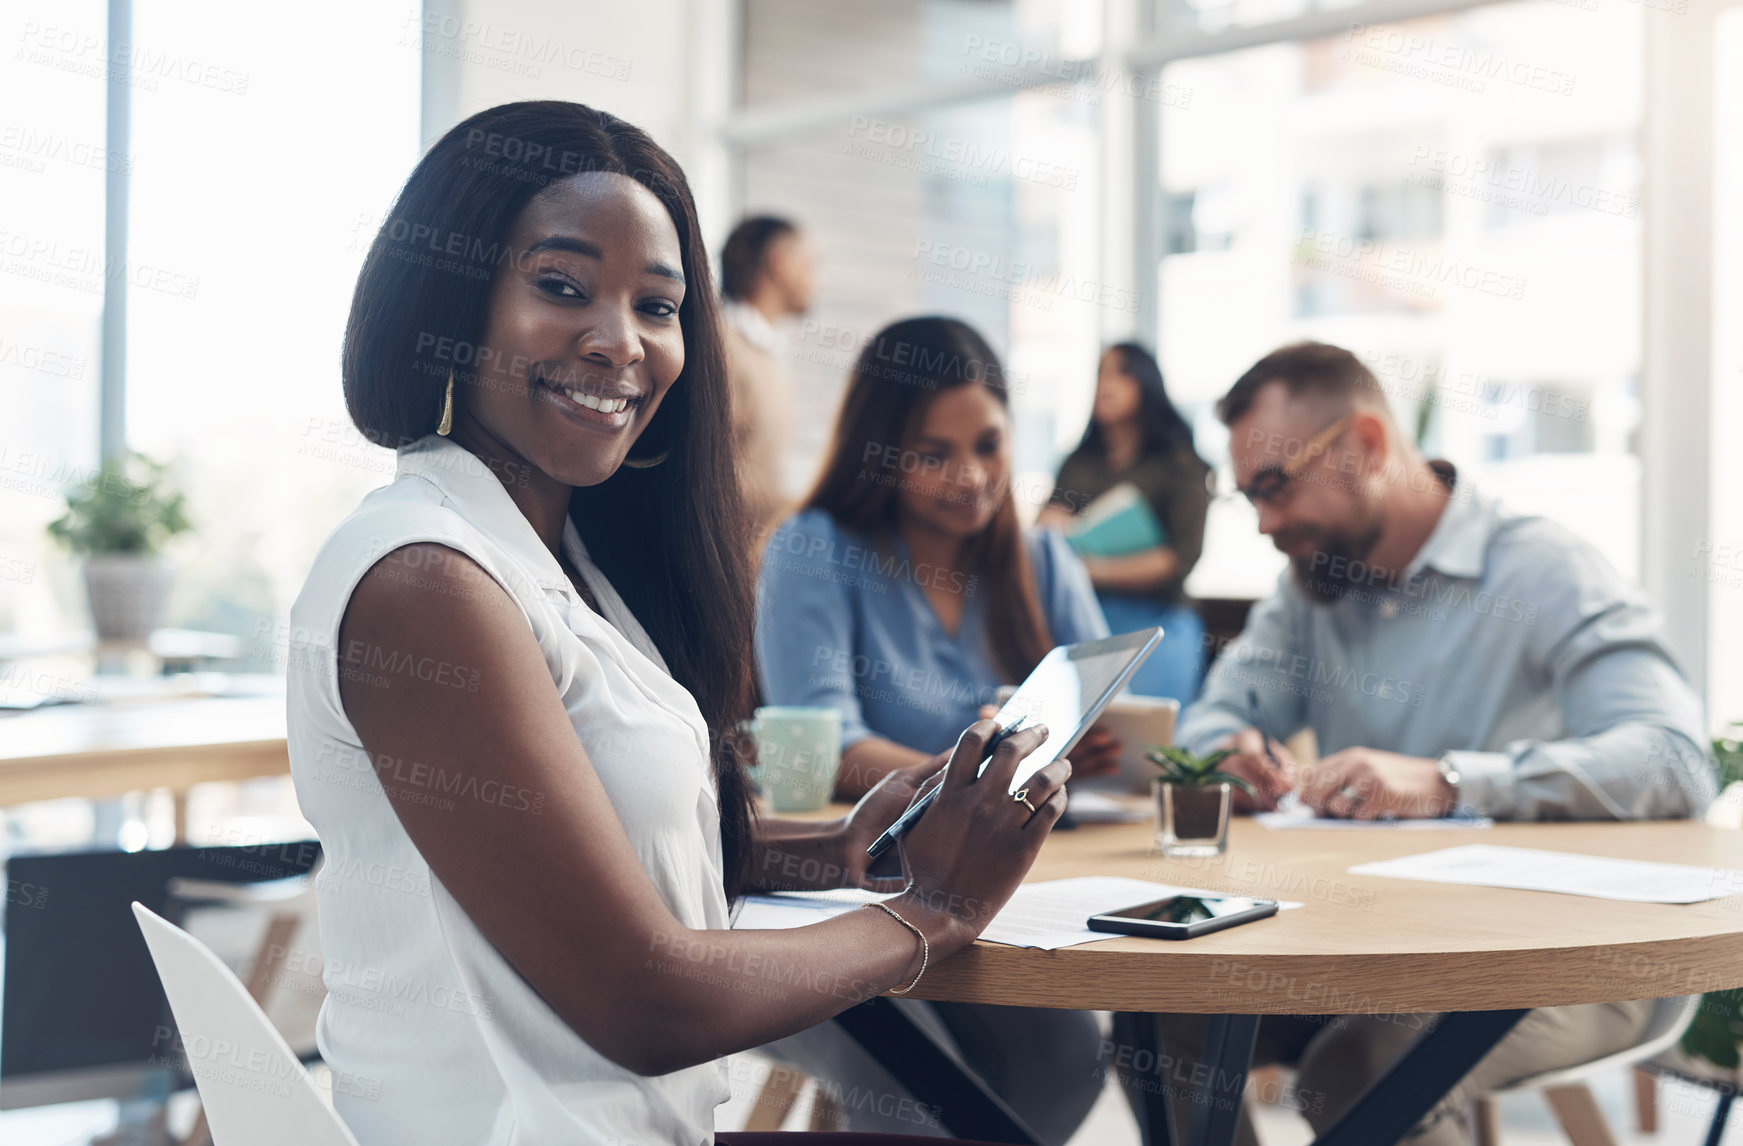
x,y
254,1090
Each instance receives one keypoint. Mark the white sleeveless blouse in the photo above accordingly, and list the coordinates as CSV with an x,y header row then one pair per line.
x,y
433,1037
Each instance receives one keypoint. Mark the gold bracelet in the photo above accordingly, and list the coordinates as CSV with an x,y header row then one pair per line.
x,y
925,947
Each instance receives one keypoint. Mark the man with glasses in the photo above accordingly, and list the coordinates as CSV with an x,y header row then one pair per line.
x,y
1449,656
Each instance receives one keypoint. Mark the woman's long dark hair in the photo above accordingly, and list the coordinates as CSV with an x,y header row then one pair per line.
x,y
1164,430
673,538
896,377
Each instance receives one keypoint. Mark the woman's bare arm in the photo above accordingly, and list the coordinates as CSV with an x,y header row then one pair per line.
x,y
562,894
869,760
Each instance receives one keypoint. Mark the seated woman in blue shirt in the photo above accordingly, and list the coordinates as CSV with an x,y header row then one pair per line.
x,y
903,594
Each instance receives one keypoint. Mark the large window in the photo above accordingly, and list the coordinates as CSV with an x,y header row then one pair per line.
x,y
1457,200
53,163
264,151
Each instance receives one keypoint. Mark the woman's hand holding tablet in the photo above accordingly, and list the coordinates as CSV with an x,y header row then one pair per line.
x,y
970,884
1067,690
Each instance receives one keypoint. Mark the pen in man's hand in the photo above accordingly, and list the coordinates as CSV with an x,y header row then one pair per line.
x,y
1265,737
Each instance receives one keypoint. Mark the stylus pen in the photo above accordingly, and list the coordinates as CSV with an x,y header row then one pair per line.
x,y
906,821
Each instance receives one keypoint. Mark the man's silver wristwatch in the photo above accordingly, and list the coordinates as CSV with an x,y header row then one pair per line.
x,y
1448,773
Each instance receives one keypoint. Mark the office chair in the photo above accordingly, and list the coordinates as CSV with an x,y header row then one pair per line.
x,y
1566,1091
254,1089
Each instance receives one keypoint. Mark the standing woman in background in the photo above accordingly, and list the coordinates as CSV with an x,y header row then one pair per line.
x,y
1136,436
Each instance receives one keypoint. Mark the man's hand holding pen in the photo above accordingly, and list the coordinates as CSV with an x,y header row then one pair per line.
x,y
1272,773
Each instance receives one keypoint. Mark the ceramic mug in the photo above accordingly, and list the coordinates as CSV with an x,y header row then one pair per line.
x,y
798,754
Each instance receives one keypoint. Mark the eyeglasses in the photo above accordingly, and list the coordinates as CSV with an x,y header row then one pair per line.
x,y
1269,484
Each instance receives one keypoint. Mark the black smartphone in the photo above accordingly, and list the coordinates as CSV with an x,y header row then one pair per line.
x,y
1183,916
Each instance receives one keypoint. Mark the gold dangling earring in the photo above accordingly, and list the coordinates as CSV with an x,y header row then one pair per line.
x,y
447,422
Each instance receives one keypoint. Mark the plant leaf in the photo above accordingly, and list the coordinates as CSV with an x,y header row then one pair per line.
x,y
1230,779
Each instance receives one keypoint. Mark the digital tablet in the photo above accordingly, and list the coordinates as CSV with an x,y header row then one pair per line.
x,y
1066,692
1137,722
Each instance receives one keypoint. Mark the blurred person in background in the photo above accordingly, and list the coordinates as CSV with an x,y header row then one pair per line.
x,y
768,275
903,594
1460,657
1137,451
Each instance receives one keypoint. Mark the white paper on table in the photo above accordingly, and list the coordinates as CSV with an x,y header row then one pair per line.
x,y
1533,869
1055,913
797,908
1302,816
1047,915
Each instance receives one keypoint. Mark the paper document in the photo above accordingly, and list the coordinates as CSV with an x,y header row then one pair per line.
x,y
1530,869
1047,915
1055,913
797,908
1302,816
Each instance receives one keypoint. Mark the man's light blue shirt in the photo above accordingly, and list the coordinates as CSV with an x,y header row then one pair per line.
x,y
1508,646
842,625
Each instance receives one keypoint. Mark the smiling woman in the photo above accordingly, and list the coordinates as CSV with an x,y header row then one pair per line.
x,y
520,198
532,840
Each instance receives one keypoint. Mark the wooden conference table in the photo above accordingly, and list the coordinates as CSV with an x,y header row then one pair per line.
x,y
1360,945
104,750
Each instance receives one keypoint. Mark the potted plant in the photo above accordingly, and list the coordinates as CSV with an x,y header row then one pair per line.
x,y
1192,800
119,523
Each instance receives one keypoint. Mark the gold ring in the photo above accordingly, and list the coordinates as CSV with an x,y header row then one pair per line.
x,y
1022,797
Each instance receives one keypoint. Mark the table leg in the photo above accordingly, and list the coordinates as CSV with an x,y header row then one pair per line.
x,y
1721,1115
966,1107
1429,1069
1149,1095
1228,1055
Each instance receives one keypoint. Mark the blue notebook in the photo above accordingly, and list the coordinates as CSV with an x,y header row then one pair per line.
x,y
1118,523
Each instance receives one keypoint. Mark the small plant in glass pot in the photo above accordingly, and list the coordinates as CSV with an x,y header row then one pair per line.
x,y
1192,800
119,523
